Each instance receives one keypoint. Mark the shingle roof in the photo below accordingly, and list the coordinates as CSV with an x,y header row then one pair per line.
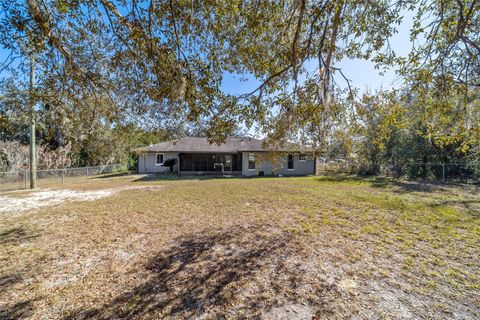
x,y
196,144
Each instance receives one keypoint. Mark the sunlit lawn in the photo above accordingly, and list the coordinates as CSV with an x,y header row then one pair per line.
x,y
297,248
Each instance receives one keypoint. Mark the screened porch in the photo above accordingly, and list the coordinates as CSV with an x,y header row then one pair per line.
x,y
210,163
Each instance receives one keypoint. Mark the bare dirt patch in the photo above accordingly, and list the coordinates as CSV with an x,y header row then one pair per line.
x,y
21,202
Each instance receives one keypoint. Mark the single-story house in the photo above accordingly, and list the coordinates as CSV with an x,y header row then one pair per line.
x,y
237,156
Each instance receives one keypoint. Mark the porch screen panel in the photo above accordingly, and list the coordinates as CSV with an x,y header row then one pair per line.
x,y
211,160
201,162
186,162
237,162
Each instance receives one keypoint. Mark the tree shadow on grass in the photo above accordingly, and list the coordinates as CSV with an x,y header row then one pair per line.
x,y
8,280
15,236
429,186
352,178
17,311
471,206
173,177
109,175
384,182
241,270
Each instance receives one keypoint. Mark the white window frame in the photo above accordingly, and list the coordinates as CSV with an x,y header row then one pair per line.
x,y
156,159
254,161
304,157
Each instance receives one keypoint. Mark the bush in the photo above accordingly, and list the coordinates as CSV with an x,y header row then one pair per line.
x,y
170,163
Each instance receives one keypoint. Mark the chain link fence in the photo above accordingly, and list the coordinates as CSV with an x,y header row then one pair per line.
x,y
451,172
17,180
335,166
447,172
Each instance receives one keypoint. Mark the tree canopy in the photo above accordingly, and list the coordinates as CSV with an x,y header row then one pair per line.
x,y
160,63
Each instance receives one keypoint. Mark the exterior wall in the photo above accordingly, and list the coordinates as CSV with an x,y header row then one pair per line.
x,y
266,167
300,168
147,162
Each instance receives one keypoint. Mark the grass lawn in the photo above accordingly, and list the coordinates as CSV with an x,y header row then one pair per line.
x,y
269,248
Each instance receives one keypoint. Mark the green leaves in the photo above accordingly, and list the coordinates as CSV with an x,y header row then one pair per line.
x,y
161,63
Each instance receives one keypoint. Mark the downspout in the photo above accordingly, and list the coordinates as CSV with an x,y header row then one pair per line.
x,y
178,164
144,162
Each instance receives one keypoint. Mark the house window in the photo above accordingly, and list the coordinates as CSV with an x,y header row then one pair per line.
x,y
290,162
302,157
251,161
159,158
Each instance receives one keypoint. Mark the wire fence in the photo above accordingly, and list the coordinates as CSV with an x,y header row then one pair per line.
x,y
446,172
17,180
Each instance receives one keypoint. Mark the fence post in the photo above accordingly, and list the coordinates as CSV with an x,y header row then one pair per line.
x,y
63,175
25,178
87,171
443,172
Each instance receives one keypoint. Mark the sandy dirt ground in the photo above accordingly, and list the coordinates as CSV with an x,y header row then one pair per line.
x,y
23,201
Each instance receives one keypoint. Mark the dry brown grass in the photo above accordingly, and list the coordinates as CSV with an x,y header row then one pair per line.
x,y
291,248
